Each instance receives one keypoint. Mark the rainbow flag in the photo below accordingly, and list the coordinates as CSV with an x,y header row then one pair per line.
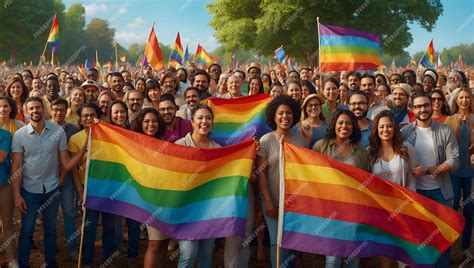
x,y
335,209
345,49
428,59
153,54
177,54
280,55
194,194
238,119
53,38
202,59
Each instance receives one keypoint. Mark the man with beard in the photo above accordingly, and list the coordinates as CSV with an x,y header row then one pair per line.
x,y
38,148
116,85
409,77
37,84
52,93
127,77
191,98
401,95
91,89
182,75
134,104
454,81
176,127
437,151
367,85
353,80
201,82
358,104
148,72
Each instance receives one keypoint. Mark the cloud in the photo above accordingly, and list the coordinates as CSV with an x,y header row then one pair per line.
x,y
122,10
95,9
137,22
127,38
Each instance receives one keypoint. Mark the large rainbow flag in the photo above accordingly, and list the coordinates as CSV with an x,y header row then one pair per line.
x,y
153,55
238,119
345,49
53,38
335,209
187,193
428,59
202,59
177,54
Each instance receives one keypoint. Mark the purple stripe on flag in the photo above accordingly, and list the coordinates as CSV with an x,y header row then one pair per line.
x,y
219,227
343,248
336,30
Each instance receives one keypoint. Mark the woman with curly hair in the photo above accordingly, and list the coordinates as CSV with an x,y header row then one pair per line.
x,y
282,113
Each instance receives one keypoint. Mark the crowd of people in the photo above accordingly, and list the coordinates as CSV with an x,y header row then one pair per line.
x,y
412,128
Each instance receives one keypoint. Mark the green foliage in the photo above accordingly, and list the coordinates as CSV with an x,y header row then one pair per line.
x,y
452,54
263,25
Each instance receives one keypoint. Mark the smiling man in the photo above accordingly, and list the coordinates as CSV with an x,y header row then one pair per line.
x,y
437,151
176,127
191,98
52,93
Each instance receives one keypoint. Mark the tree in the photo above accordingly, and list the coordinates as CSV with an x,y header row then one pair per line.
x,y
72,36
402,59
25,27
451,54
99,37
263,25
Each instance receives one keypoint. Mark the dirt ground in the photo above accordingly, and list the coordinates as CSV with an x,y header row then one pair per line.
x,y
303,259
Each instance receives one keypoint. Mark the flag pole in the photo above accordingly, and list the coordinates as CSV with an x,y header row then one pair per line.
x,y
319,59
52,58
81,242
116,55
281,204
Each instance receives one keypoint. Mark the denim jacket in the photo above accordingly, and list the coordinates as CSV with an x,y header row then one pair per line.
x,y
446,149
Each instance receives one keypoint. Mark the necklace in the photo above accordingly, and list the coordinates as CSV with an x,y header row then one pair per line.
x,y
385,172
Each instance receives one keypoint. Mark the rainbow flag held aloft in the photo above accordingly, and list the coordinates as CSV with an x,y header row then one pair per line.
x,y
238,119
177,54
428,59
202,59
281,55
194,194
153,55
335,209
53,38
345,49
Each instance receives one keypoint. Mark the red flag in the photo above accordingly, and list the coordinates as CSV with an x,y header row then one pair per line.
x,y
153,53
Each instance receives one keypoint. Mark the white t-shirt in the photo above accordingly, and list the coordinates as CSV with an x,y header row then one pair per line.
x,y
425,153
392,170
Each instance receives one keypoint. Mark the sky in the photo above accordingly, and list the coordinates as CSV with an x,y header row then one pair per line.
x,y
133,19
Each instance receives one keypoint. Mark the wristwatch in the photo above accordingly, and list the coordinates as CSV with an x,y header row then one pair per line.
x,y
427,171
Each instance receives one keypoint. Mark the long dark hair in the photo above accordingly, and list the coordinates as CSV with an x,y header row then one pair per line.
x,y
445,107
108,119
376,143
12,104
24,94
136,124
356,134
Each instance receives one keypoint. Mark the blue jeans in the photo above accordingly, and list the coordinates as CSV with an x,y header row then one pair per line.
x,y
437,196
133,238
47,206
68,206
464,185
287,256
190,249
90,230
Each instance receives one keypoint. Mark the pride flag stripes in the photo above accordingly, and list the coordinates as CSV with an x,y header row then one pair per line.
x,y
202,59
153,55
236,120
194,194
335,209
343,49
428,59
177,54
53,37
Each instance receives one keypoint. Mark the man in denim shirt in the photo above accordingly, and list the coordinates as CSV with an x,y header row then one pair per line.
x,y
437,151
37,150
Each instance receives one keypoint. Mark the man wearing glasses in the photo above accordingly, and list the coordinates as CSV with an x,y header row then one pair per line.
x,y
437,151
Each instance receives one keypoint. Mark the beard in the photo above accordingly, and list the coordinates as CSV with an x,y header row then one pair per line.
x,y
452,86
